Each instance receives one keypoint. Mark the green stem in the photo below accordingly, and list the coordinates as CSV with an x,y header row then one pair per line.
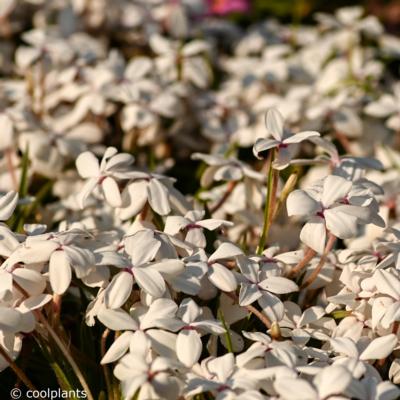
x,y
227,332
269,203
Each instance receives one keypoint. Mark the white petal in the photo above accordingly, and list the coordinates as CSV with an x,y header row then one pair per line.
x,y
158,197
117,320
87,189
344,345
8,202
274,123
332,380
119,290
295,389
379,348
387,283
342,225
248,294
263,145
279,285
9,319
222,278
118,348
299,137
313,234
59,272
335,188
225,250
150,281
87,165
188,347
300,202
111,192
142,246
134,197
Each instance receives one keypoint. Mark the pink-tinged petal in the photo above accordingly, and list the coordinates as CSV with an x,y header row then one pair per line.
x,y
188,347
313,234
87,189
274,124
111,192
60,273
119,290
380,348
87,165
335,188
299,137
301,203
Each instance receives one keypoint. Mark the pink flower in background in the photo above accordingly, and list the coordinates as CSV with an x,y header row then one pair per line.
x,y
223,7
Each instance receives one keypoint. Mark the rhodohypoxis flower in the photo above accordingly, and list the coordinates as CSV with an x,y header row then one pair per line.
x,y
220,376
192,225
262,283
154,377
283,141
199,265
113,166
329,207
145,188
188,343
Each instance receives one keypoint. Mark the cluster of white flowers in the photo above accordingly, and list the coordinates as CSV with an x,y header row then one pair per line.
x,y
278,277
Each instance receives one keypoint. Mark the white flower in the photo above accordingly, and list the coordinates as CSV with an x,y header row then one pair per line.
x,y
282,141
330,209
188,342
113,166
192,225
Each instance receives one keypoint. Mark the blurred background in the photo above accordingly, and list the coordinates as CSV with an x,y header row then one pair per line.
x,y
296,11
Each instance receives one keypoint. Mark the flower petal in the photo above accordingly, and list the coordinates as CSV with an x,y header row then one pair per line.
x,y
313,234
188,347
59,272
